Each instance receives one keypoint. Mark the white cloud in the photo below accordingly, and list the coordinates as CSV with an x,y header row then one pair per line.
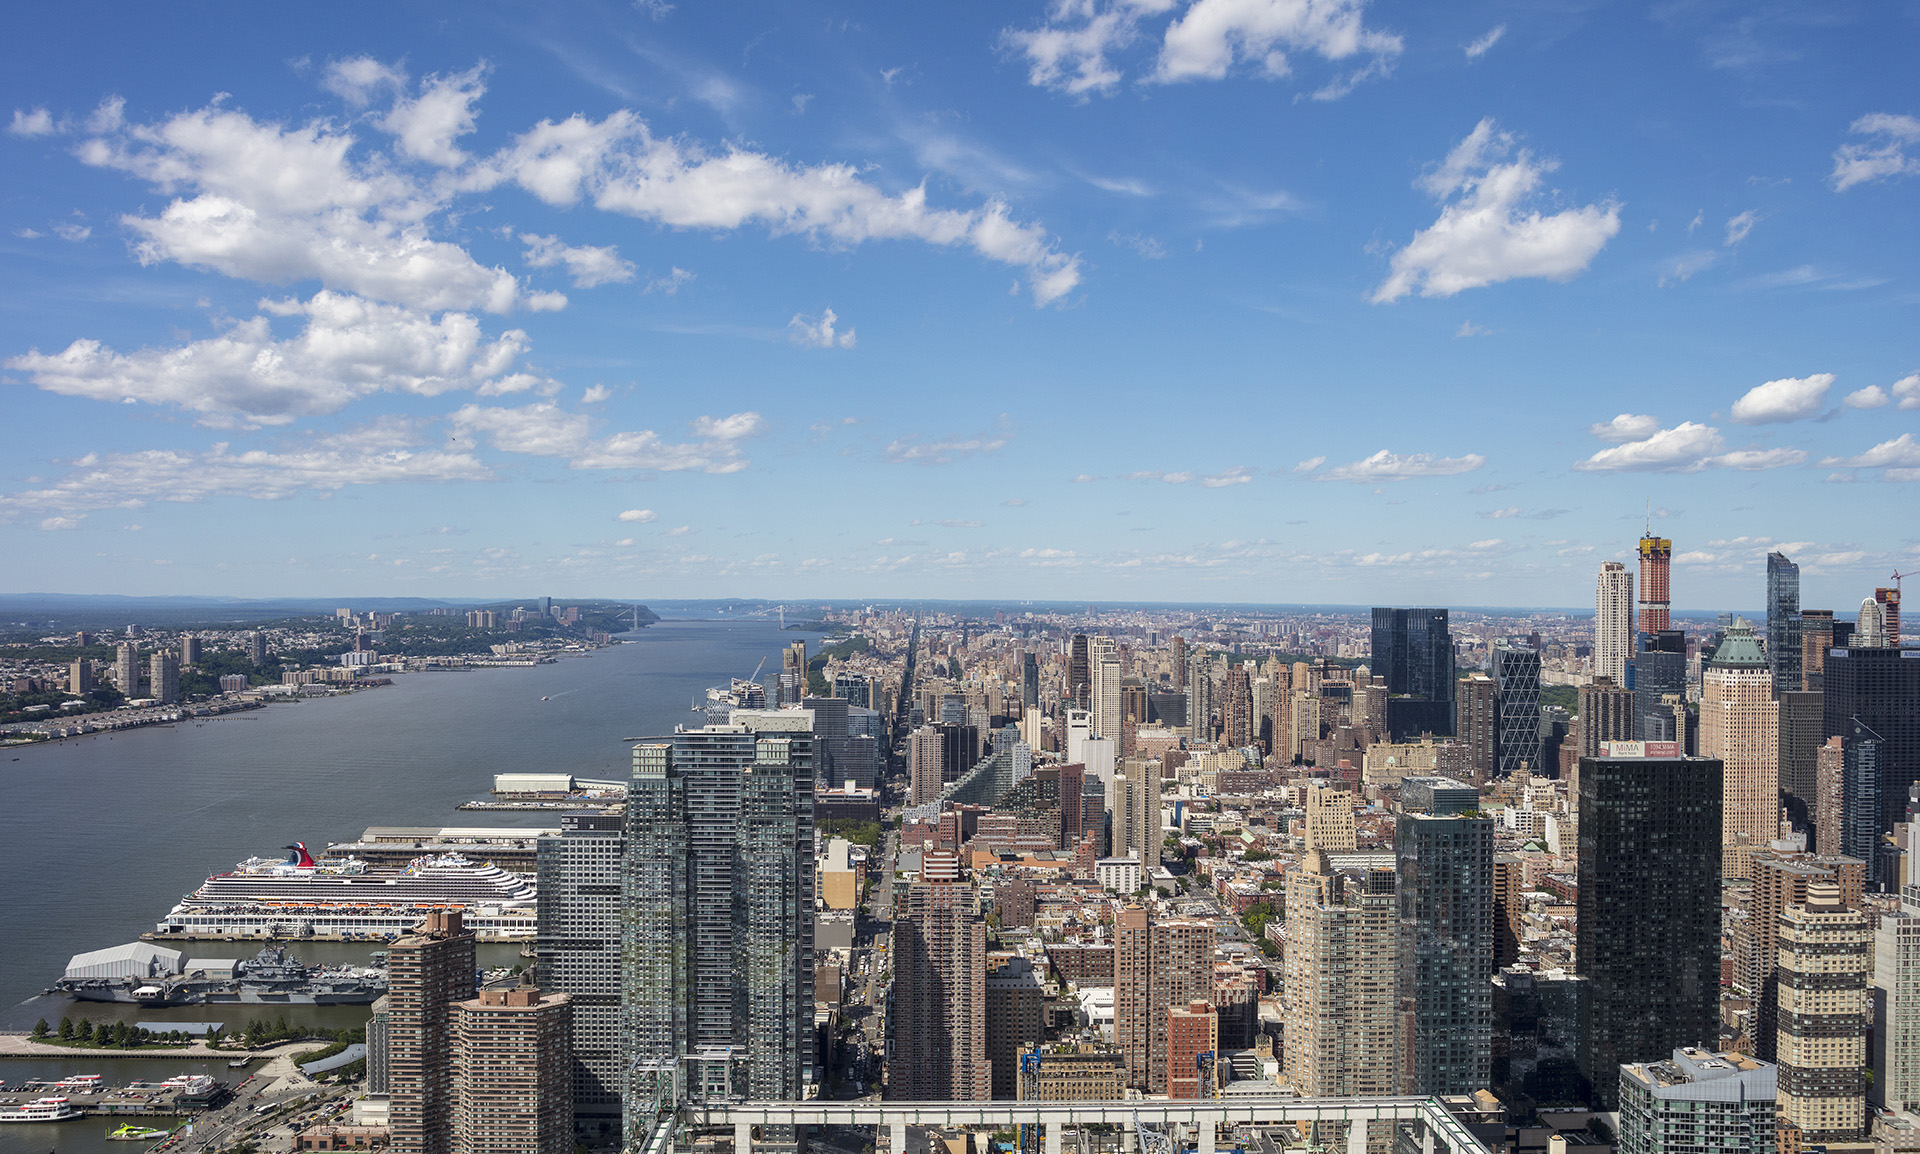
x,y
1686,448
1238,475
818,334
1739,226
912,449
641,516
425,126
72,232
35,123
670,284
682,531
545,430
1069,51
1787,399
1688,263
589,266
1309,465
359,80
348,348
58,523
1469,329
1871,397
1386,466
1502,514
1903,452
595,395
956,523
382,453
620,166
1625,427
1883,156
1480,47
1486,233
1907,391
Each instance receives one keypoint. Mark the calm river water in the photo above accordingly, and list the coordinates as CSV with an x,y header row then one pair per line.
x,y
100,836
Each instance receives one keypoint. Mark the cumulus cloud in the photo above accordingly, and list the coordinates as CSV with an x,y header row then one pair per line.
x,y
1309,465
589,266
1907,391
544,429
810,333
360,80
1487,233
595,395
1387,466
1482,46
1881,156
1739,226
1072,49
1686,448
1238,475
620,166
1903,452
382,453
641,516
347,348
1625,427
671,283
1787,399
918,450
72,232
425,126
35,123
1871,397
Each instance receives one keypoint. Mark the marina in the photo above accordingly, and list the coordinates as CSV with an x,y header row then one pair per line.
x,y
82,1095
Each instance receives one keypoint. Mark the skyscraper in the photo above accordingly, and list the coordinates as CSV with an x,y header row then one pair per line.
x,y
1606,714
1103,693
1783,622
1801,716
1816,637
1413,650
578,951
1516,679
512,1091
1030,680
1613,622
1896,991
1824,1009
1178,658
1656,559
1237,708
1659,672
1445,883
1878,686
1340,1009
718,917
126,669
163,677
939,1017
428,971
1739,724
1079,674
1476,723
1157,964
923,764
1889,601
1648,911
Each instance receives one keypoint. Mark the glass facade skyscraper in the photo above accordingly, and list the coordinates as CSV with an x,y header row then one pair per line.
x,y
1445,885
1783,623
1413,651
1516,694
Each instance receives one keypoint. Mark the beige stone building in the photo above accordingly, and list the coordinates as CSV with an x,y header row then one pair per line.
x,y
1740,725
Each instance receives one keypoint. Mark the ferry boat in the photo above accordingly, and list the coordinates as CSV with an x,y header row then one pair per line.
x,y
48,1109
131,1133
297,897
81,1084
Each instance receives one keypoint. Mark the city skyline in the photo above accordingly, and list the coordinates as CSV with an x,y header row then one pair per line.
x,y
1063,301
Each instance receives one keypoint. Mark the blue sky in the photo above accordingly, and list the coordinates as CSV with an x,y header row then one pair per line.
x,y
1257,300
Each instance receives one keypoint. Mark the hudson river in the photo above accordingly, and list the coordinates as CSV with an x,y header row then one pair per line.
x,y
100,836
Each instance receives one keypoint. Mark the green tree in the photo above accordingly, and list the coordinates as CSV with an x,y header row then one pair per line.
x,y
40,1028
66,1029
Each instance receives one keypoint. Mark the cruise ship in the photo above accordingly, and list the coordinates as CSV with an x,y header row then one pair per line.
x,y
297,897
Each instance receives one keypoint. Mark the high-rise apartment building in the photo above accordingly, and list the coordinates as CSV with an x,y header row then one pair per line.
x,y
1200,695
1878,686
1826,951
1606,715
1157,964
1613,622
1896,989
163,677
923,764
1888,599
1016,1020
1516,680
1445,885
1648,909
257,647
126,669
1780,878
939,1019
1816,637
189,649
1413,650
1340,1009
1783,622
80,677
1477,713
429,971
1802,713
1739,724
1237,728
513,1091
578,955
1698,1102
1656,563
717,936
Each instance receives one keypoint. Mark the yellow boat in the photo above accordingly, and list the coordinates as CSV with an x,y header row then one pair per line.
x,y
132,1133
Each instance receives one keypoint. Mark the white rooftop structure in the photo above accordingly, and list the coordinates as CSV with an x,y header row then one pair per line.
x,y
133,960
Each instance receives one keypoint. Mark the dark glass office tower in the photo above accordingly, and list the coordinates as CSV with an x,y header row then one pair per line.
x,y
1413,650
1516,696
1030,681
1783,623
1879,687
1445,883
1862,785
1079,680
1659,668
1648,937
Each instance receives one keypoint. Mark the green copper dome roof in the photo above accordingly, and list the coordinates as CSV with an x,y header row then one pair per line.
x,y
1739,649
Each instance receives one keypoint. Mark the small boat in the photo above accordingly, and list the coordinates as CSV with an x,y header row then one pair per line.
x,y
132,1133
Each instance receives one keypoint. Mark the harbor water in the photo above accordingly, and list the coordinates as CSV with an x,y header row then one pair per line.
x,y
100,836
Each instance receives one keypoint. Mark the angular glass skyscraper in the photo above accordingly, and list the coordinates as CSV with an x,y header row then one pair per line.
x,y
1783,623
1516,694
717,933
1413,650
